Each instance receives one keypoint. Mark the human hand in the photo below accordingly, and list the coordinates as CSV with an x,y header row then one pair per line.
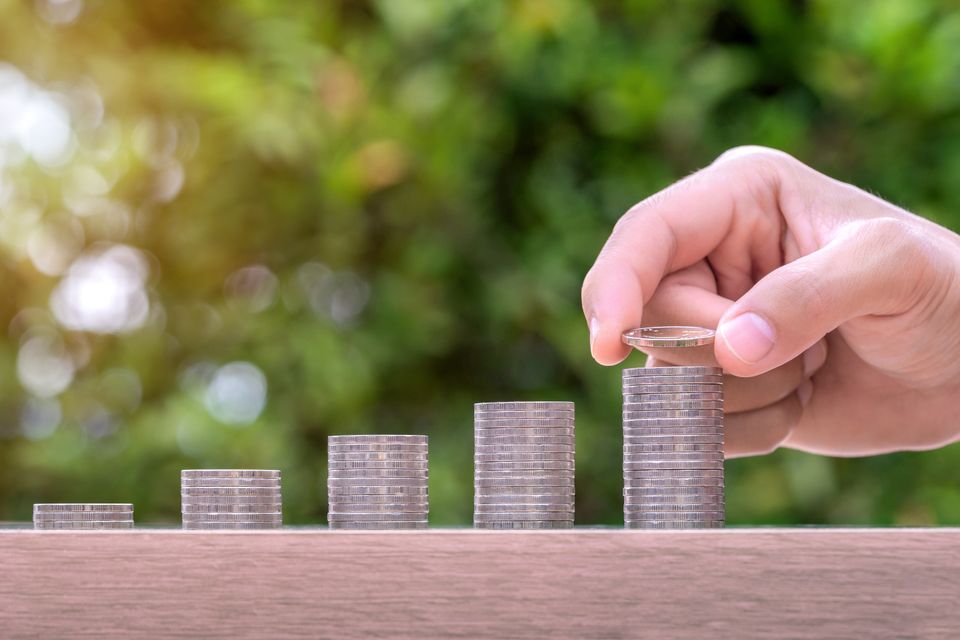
x,y
837,312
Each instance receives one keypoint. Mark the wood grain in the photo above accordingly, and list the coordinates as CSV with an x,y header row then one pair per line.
x,y
780,583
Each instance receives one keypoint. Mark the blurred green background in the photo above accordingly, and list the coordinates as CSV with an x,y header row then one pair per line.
x,y
230,229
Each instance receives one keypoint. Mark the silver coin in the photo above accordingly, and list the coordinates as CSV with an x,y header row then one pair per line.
x,y
230,473
224,526
677,456
656,489
408,491
353,507
560,493
231,483
367,438
486,449
634,477
656,380
376,456
493,438
673,397
377,474
672,438
488,486
521,517
411,524
673,413
373,517
524,405
272,500
378,448
230,491
50,507
646,405
521,432
513,509
82,515
640,424
232,508
230,517
713,524
523,457
338,463
672,388
523,466
84,524
533,524
549,416
556,426
664,337
690,370
668,483
677,505
529,498
631,450
672,466
683,516
374,483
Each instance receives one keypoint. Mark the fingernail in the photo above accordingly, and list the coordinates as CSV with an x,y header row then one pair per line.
x,y
813,358
804,391
594,331
748,336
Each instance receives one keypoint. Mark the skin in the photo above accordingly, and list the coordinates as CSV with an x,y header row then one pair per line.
x,y
854,348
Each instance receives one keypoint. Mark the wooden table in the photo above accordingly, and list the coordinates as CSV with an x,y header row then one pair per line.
x,y
584,583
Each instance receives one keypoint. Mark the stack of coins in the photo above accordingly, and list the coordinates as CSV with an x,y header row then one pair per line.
x,y
83,516
378,482
231,499
673,448
523,465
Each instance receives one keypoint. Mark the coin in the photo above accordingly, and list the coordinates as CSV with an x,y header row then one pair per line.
x,y
671,503
376,465
672,388
533,524
377,439
496,438
671,371
679,516
545,465
653,396
231,517
48,507
523,457
523,405
640,449
499,490
654,381
531,480
673,413
642,405
231,508
230,491
656,489
534,498
521,517
511,509
523,423
231,483
633,443
370,482
230,525
378,455
82,515
370,517
377,448
234,500
645,337
668,483
382,474
522,449
411,491
636,476
712,524
410,524
350,506
230,473
84,524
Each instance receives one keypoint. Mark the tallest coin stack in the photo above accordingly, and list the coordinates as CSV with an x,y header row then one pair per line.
x,y
673,448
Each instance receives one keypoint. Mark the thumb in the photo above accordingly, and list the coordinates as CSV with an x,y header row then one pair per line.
x,y
869,267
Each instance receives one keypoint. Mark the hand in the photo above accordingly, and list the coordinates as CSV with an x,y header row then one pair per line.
x,y
837,313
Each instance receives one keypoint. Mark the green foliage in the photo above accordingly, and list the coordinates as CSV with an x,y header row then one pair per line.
x,y
423,185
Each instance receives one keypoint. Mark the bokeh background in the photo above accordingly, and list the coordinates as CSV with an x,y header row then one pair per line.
x,y
228,230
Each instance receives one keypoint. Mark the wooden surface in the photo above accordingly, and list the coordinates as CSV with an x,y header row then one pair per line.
x,y
770,583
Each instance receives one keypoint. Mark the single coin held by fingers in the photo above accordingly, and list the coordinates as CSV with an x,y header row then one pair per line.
x,y
645,337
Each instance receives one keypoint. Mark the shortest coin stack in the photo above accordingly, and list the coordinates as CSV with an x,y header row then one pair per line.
x,y
378,482
83,516
231,499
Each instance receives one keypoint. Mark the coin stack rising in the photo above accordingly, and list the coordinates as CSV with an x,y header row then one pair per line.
x,y
378,482
523,465
673,448
83,516
231,499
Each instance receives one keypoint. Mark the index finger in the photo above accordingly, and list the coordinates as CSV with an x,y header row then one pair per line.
x,y
668,231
